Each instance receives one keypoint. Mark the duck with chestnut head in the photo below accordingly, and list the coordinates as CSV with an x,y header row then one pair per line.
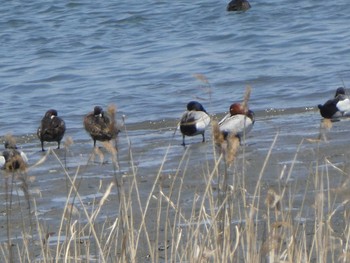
x,y
238,122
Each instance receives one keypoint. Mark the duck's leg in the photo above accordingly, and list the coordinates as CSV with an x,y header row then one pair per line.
x,y
42,146
183,140
203,140
58,144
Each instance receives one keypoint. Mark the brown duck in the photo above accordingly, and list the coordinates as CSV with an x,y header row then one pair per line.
x,y
100,125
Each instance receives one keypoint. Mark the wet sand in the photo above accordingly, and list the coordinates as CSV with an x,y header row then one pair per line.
x,y
48,184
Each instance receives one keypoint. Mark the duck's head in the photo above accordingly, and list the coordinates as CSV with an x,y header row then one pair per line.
x,y
98,111
339,91
195,105
237,108
238,5
51,113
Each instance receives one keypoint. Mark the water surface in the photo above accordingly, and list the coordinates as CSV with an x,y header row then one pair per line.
x,y
142,57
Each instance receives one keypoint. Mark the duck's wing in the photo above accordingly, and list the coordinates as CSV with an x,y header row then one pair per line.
x,y
236,124
56,127
224,118
100,127
43,126
194,117
194,122
95,126
202,120
232,124
58,123
186,117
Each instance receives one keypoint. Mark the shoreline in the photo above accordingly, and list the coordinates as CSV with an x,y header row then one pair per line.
x,y
291,165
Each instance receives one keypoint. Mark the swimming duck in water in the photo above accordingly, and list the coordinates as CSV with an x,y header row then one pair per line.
x,y
194,121
12,159
52,129
339,106
100,125
238,5
239,121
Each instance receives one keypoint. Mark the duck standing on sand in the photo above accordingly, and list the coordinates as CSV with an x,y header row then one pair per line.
x,y
194,121
52,128
239,121
12,159
339,106
238,5
100,125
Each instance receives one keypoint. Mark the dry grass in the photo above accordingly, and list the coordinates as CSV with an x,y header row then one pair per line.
x,y
227,225
231,222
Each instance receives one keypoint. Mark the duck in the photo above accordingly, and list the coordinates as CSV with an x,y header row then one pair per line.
x,y
194,121
12,159
337,107
238,5
100,125
51,129
239,121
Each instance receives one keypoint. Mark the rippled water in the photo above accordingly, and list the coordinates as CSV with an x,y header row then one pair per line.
x,y
142,56
71,55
